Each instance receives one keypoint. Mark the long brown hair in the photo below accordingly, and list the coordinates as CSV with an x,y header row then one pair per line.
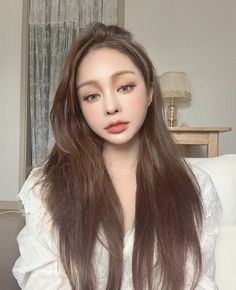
x,y
82,200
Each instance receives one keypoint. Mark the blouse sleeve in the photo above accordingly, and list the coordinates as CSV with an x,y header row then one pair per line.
x,y
211,219
38,266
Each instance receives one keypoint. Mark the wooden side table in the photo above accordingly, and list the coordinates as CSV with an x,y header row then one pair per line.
x,y
199,136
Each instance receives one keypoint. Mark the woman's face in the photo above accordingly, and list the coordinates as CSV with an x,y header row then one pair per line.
x,y
112,95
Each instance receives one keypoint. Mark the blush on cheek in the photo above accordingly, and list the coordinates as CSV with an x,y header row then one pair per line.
x,y
91,115
139,102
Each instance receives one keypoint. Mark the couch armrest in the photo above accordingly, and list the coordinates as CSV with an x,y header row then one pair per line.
x,y
222,170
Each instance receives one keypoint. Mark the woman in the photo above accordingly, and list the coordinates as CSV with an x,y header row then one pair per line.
x,y
116,206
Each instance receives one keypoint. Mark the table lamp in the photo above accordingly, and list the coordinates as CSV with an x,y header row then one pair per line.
x,y
174,88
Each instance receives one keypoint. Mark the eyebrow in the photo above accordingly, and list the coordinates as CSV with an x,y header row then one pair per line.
x,y
113,76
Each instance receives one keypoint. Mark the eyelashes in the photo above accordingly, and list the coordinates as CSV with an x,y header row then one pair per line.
x,y
91,98
124,89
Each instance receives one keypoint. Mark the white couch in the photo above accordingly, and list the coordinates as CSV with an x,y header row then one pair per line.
x,y
222,170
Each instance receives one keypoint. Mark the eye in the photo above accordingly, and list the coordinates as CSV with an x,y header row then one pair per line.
x,y
91,98
125,89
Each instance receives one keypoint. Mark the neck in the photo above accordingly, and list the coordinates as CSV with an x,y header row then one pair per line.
x,y
121,158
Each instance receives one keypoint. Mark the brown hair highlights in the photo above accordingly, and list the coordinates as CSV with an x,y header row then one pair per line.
x,y
82,200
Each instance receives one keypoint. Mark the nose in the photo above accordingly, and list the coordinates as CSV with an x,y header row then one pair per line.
x,y
113,112
111,105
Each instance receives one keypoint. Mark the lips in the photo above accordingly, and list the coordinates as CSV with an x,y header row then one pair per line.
x,y
115,124
116,127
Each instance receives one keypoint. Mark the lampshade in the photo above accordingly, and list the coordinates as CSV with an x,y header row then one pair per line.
x,y
174,85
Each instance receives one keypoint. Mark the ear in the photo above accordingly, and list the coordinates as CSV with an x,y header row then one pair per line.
x,y
150,96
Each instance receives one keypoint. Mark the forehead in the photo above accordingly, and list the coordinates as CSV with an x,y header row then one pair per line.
x,y
104,62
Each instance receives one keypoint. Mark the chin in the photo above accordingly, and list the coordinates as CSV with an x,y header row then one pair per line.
x,y
121,140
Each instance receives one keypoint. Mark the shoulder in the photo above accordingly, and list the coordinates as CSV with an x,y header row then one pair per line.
x,y
30,193
212,207
207,188
32,197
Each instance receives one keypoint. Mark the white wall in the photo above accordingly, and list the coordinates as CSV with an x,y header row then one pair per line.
x,y
10,62
197,37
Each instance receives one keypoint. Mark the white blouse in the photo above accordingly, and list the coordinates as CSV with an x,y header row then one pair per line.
x,y
39,266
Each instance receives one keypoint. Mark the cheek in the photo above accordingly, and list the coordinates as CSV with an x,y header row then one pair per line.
x,y
138,110
91,114
139,104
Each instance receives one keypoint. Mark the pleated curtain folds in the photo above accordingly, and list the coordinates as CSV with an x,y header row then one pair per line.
x,y
53,26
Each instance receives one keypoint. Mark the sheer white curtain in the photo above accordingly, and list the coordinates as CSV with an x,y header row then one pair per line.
x,y
53,26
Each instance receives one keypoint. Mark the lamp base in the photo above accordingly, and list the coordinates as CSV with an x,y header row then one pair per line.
x,y
172,114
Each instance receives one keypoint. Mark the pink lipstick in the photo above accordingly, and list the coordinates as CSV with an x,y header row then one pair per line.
x,y
117,127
